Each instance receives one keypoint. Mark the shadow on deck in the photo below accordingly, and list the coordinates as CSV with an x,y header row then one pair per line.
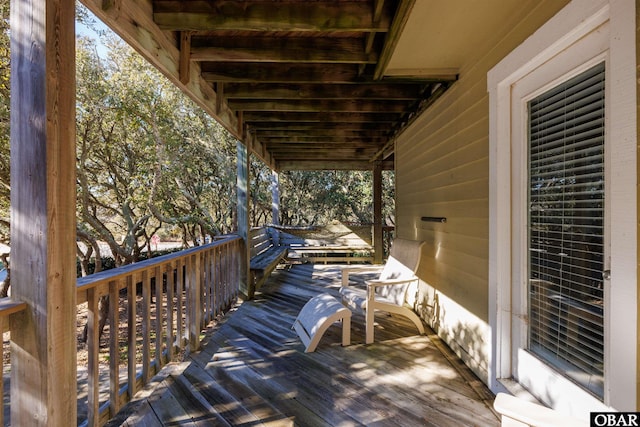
x,y
252,371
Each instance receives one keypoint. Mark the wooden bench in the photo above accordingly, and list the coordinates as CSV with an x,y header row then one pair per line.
x,y
266,253
331,253
388,292
316,316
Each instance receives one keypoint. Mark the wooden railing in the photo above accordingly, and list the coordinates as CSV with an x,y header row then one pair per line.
x,y
8,308
156,308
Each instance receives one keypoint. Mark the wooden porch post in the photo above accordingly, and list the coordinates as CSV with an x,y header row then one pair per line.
x,y
275,198
43,228
377,213
243,218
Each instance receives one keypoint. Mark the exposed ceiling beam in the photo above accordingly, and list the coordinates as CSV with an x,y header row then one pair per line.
x,y
319,140
441,74
336,133
289,146
312,126
253,117
319,105
247,15
292,165
262,49
290,77
279,73
335,155
388,91
371,37
328,152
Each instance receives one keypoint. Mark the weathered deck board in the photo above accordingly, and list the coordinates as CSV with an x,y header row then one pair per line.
x,y
252,370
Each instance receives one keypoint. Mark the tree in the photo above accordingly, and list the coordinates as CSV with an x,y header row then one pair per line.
x,y
148,157
317,197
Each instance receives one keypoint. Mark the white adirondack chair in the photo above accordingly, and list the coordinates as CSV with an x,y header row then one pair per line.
x,y
389,291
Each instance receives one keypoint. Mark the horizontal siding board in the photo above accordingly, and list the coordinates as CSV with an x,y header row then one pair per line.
x,y
446,137
468,162
456,191
442,169
453,259
470,228
468,178
449,276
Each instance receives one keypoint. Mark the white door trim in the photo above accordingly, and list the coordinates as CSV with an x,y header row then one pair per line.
x,y
565,29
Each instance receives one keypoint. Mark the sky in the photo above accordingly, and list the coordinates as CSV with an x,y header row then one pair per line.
x,y
86,31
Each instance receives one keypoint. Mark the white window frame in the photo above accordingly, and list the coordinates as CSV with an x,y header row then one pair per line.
x,y
613,21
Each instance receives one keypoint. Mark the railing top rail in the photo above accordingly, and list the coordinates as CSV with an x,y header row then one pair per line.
x,y
9,306
87,282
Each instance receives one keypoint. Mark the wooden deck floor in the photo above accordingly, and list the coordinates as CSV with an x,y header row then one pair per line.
x,y
253,371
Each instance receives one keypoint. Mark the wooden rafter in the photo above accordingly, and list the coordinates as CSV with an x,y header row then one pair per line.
x,y
185,56
292,50
323,91
319,105
311,142
331,117
286,72
279,73
329,133
351,16
260,127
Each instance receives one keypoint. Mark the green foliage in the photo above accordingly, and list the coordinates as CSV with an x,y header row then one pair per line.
x,y
319,197
147,156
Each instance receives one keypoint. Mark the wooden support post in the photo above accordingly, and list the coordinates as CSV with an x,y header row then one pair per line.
x,y
246,288
275,198
43,229
377,213
185,57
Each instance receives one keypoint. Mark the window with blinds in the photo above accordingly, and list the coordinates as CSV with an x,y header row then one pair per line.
x,y
566,227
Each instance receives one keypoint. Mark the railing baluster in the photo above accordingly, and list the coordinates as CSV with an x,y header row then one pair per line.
x,y
131,334
93,346
224,278
206,292
181,272
114,347
170,272
215,277
157,272
146,329
211,291
3,329
193,303
198,295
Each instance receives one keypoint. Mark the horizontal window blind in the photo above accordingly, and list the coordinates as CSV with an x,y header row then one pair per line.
x,y
566,227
